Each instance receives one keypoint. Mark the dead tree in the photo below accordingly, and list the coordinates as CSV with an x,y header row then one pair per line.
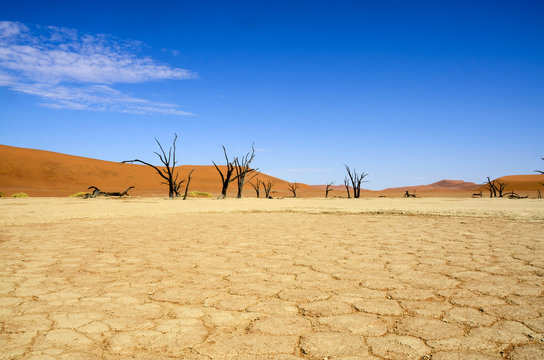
x,y
491,187
120,194
267,187
500,188
242,169
293,187
168,173
97,192
257,187
328,189
495,187
346,184
188,182
356,180
513,195
477,195
177,185
542,173
227,177
408,195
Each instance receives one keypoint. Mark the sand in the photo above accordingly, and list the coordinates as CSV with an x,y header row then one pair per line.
x,y
150,278
40,173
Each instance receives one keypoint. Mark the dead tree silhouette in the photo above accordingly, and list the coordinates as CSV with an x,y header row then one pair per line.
x,y
346,184
495,187
293,187
542,173
408,195
257,187
476,195
267,187
242,168
328,189
168,173
188,182
227,177
356,181
97,192
513,195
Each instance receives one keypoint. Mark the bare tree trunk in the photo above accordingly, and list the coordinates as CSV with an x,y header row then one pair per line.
x,y
293,188
242,169
226,178
169,172
356,180
346,184
500,188
257,187
328,188
97,192
267,187
491,187
188,182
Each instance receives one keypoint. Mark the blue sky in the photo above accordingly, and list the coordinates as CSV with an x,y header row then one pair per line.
x,y
410,92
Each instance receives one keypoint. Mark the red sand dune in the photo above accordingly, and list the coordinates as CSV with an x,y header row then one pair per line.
x,y
442,185
520,183
46,173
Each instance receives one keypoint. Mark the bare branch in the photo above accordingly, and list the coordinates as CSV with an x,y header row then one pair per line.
x,y
346,184
267,186
188,182
242,167
293,188
168,173
328,189
227,177
356,181
145,163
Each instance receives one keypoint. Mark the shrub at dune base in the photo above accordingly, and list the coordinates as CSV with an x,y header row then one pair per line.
x,y
2,194
20,194
79,194
199,194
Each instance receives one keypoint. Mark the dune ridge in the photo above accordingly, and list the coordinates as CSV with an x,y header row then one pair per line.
x,y
45,173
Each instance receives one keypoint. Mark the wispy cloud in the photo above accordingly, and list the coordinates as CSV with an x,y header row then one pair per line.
x,y
70,70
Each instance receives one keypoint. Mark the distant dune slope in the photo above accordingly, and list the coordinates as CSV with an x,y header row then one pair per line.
x,y
520,183
46,173
443,185
527,184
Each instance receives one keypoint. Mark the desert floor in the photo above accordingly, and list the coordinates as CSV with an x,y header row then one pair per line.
x,y
151,278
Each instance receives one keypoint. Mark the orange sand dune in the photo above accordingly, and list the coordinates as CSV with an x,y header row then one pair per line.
x,y
520,183
46,173
443,185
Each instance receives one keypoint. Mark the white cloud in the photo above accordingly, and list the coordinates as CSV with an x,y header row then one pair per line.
x,y
9,28
76,71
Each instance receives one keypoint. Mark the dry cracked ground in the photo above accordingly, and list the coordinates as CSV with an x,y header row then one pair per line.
x,y
159,279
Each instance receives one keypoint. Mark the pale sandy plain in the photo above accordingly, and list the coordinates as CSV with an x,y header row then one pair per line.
x,y
151,278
